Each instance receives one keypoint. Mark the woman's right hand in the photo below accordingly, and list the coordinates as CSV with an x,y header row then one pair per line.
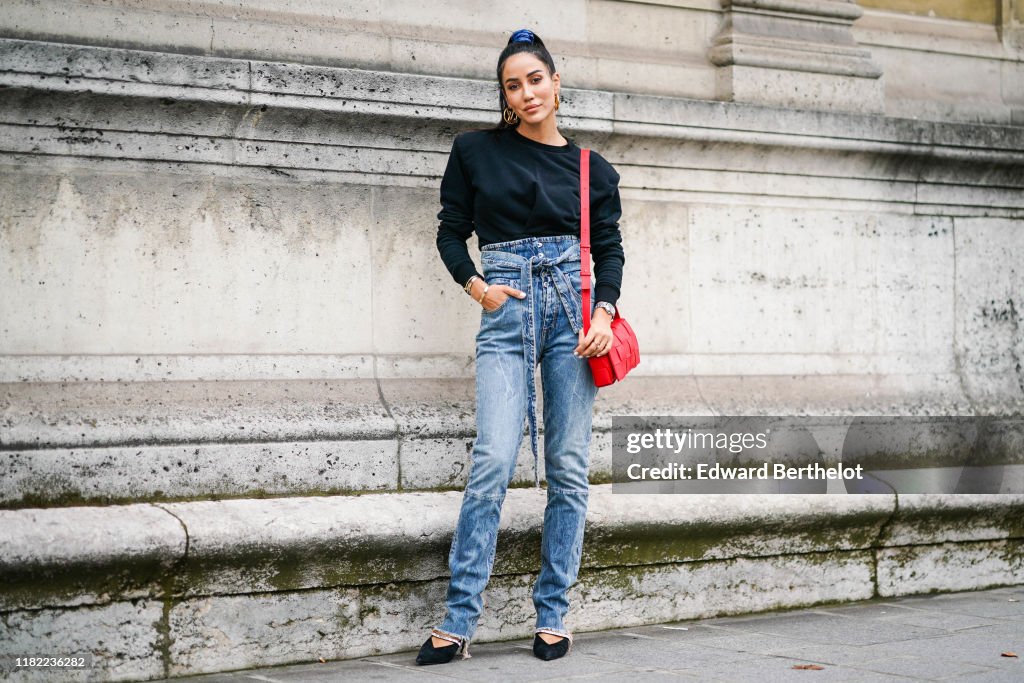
x,y
496,295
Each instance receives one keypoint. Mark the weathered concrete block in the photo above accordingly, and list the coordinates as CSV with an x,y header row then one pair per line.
x,y
792,89
85,556
215,633
435,463
244,546
924,518
445,463
769,280
617,596
430,407
78,225
839,394
125,639
989,343
235,632
168,367
931,568
155,473
628,529
103,413
912,50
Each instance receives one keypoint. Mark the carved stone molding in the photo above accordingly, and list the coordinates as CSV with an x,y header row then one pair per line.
x,y
795,53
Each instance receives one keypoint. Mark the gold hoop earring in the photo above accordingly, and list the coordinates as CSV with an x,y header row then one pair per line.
x,y
557,103
511,118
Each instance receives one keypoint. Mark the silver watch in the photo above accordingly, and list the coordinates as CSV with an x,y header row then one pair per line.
x,y
606,306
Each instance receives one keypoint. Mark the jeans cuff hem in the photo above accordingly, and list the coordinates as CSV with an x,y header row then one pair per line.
x,y
554,632
447,635
461,641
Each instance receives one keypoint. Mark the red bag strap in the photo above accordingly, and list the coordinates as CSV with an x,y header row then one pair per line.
x,y
585,236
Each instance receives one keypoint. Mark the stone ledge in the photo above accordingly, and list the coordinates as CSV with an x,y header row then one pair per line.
x,y
405,537
208,585
87,555
102,442
59,67
263,92
267,545
276,544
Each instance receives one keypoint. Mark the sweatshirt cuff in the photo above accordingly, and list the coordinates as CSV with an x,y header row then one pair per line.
x,y
609,293
464,271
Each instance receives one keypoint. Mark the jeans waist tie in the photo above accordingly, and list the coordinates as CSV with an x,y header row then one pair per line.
x,y
567,295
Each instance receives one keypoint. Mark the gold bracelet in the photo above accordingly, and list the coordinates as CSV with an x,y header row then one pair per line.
x,y
469,283
481,299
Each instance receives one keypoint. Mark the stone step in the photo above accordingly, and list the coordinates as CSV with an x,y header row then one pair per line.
x,y
168,589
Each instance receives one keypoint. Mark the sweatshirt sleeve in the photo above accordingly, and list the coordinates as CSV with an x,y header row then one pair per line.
x,y
456,217
605,237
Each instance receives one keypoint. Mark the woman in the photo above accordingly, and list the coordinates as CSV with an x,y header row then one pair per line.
x,y
517,186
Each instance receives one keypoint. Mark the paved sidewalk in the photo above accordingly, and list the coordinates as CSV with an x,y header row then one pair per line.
x,y
948,637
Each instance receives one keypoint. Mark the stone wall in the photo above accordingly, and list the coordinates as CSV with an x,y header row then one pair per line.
x,y
220,281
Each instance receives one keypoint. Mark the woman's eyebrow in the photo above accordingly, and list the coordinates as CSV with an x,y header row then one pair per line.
x,y
527,75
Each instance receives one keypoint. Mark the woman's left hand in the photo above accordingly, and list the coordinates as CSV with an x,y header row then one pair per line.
x,y
599,339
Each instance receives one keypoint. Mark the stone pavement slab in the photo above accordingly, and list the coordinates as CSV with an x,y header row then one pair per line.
x,y
942,637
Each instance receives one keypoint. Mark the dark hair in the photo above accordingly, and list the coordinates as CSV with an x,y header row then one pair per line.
x,y
523,40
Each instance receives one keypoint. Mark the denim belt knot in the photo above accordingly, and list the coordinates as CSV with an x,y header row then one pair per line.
x,y
526,267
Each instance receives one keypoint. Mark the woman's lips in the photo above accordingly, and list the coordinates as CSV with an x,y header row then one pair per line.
x,y
536,106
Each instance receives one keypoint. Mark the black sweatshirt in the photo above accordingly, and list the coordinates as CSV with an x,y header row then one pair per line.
x,y
506,186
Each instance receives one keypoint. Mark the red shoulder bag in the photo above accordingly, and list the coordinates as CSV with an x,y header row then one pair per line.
x,y
625,352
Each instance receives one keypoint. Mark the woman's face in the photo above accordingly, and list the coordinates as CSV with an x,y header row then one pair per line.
x,y
529,88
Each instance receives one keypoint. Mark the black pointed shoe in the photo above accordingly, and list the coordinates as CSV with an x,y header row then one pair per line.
x,y
547,652
436,655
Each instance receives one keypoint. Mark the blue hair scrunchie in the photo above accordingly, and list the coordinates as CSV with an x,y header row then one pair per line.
x,y
523,35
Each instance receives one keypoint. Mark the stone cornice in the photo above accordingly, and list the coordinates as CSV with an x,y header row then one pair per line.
x,y
57,103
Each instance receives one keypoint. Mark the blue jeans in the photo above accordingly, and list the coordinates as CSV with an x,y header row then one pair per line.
x,y
542,327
